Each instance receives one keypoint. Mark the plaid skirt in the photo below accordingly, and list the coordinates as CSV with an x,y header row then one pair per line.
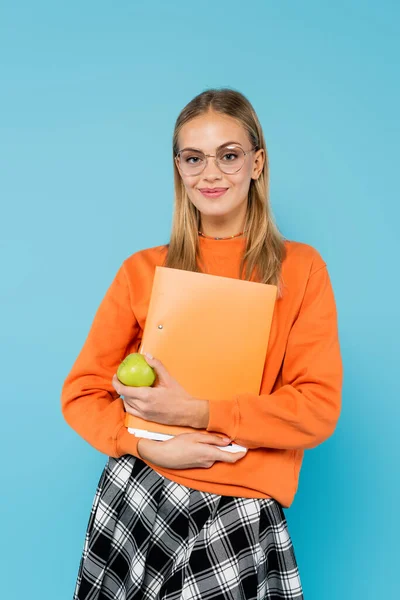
x,y
150,538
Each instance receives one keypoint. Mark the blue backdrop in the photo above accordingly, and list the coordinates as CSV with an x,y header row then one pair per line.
x,y
90,93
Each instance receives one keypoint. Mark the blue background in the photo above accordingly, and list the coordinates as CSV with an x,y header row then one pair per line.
x,y
90,93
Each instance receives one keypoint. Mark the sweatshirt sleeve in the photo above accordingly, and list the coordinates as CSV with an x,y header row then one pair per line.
x,y
89,403
304,411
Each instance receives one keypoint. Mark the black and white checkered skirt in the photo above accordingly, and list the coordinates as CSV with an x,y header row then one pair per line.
x,y
150,538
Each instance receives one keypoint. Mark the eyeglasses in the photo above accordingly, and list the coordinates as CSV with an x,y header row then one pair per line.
x,y
228,158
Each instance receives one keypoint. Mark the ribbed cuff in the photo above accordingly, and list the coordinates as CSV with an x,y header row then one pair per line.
x,y
224,417
126,443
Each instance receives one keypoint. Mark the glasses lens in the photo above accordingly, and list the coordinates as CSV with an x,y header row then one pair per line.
x,y
192,161
230,159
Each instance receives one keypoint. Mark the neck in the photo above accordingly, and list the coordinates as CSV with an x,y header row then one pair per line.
x,y
219,237
223,230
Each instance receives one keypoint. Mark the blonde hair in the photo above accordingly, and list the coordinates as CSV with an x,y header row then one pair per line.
x,y
265,248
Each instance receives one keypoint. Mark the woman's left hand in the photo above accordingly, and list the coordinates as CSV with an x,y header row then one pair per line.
x,y
167,402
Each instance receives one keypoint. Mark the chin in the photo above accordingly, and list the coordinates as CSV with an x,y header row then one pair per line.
x,y
213,207
214,211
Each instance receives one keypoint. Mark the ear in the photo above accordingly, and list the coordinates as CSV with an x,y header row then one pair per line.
x,y
176,159
258,163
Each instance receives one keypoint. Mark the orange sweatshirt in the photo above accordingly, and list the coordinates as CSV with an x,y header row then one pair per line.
x,y
300,398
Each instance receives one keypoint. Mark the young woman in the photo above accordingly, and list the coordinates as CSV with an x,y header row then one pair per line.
x,y
183,519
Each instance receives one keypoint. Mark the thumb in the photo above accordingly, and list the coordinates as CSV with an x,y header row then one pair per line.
x,y
161,371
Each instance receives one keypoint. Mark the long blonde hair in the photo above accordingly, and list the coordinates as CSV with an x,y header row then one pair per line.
x,y
265,248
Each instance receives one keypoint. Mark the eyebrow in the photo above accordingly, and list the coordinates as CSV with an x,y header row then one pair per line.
x,y
230,143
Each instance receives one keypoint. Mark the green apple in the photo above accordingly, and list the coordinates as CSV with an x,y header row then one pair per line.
x,y
135,371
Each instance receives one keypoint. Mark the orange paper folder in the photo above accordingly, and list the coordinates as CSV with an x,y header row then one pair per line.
x,y
210,332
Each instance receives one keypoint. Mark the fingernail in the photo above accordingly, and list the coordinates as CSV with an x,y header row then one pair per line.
x,y
148,355
226,439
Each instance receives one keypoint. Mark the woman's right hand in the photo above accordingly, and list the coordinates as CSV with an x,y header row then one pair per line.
x,y
187,451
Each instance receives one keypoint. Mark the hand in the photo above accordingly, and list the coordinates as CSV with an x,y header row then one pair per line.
x,y
166,402
187,451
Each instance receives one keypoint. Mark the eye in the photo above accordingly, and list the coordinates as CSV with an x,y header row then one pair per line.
x,y
229,156
192,160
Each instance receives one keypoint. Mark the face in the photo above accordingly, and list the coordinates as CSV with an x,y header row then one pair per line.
x,y
228,201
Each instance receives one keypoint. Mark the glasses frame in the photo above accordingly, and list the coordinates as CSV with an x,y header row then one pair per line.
x,y
207,156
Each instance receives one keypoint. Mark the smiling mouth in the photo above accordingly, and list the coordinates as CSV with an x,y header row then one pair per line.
x,y
213,192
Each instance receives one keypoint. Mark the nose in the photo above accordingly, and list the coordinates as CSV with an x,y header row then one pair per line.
x,y
211,171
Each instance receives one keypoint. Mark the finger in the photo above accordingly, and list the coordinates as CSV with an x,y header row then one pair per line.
x,y
115,382
131,410
129,391
213,439
161,371
206,438
229,457
132,403
136,404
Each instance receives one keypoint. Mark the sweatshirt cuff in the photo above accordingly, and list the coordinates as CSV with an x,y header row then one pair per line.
x,y
224,417
126,443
